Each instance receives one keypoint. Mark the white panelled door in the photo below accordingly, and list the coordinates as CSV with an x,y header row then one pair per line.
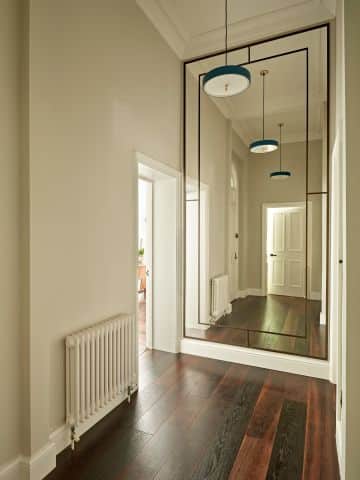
x,y
286,251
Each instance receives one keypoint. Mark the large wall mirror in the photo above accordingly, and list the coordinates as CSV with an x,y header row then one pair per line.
x,y
256,243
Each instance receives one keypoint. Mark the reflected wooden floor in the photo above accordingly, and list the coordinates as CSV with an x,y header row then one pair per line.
x,y
273,314
195,418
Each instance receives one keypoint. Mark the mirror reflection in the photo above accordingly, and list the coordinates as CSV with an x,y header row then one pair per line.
x,y
256,200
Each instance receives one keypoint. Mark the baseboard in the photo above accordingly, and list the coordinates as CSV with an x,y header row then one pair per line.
x,y
35,467
339,445
255,292
241,294
60,438
309,367
13,470
315,295
202,326
43,461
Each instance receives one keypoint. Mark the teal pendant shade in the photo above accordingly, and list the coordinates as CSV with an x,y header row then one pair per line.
x,y
226,80
265,145
280,174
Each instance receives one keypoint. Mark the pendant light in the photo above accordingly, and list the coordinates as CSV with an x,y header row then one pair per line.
x,y
265,145
280,174
226,80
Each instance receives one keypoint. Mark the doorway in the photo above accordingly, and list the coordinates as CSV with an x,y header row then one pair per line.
x,y
158,275
144,267
286,251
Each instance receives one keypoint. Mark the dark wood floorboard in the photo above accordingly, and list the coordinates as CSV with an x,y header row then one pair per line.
x,y
273,315
196,418
288,451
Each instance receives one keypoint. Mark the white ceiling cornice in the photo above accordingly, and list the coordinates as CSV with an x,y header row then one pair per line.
x,y
162,22
309,13
282,20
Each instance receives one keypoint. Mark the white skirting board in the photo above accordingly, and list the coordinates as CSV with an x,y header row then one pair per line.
x,y
255,292
44,461
309,367
14,470
34,468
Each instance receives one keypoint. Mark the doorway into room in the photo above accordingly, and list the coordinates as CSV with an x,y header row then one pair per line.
x,y
158,253
144,266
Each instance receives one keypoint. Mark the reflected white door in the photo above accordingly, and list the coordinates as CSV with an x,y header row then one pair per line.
x,y
286,251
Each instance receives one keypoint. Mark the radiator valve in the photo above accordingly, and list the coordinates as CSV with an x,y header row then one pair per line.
x,y
74,437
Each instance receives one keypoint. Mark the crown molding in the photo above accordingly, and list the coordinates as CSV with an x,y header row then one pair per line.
x,y
289,19
305,14
164,25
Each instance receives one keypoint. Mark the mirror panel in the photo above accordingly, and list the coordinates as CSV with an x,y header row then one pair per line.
x,y
253,257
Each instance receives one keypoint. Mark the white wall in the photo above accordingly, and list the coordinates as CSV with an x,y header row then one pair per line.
x,y
103,84
10,156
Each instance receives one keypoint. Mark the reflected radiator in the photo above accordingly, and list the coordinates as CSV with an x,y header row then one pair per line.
x,y
101,371
220,296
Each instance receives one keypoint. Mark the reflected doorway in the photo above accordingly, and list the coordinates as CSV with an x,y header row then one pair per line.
x,y
285,250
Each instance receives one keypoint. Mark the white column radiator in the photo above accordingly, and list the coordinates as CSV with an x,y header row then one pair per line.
x,y
220,296
101,371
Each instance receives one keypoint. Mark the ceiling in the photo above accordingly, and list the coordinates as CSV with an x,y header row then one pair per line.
x,y
195,27
285,88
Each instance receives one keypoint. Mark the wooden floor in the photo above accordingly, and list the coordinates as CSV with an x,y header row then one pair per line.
x,y
275,315
197,419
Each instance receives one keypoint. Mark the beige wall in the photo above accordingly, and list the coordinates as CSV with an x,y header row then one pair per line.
x,y
103,84
352,351
10,154
264,190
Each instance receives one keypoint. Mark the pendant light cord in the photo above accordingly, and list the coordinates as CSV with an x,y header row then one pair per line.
x,y
263,105
280,146
226,32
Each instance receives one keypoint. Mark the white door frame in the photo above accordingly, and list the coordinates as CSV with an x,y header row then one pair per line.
x,y
265,208
141,158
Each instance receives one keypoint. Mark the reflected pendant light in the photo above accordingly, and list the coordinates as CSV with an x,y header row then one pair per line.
x,y
265,145
280,174
226,80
